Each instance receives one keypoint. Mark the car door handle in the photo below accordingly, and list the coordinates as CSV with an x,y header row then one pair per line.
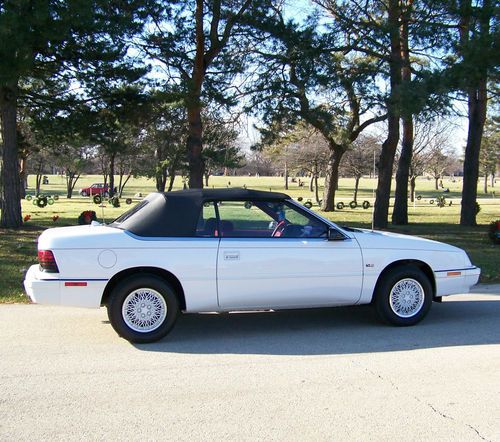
x,y
231,255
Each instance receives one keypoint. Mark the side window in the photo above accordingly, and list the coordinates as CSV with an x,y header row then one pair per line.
x,y
301,224
267,219
207,222
245,219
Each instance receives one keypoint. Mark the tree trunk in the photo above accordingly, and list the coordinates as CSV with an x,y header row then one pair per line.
x,y
122,186
10,194
436,183
492,180
316,189
400,211
412,188
161,179
71,183
195,127
194,148
112,174
485,182
171,182
386,161
23,176
311,183
120,175
356,187
477,105
38,183
69,187
286,175
171,175
207,176
314,179
331,180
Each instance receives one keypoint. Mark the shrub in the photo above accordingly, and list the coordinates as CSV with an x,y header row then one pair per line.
x,y
87,217
494,231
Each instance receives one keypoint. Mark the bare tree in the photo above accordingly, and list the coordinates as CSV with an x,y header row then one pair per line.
x,y
309,154
489,156
359,160
432,152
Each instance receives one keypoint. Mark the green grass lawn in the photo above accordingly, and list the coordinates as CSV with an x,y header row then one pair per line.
x,y
18,247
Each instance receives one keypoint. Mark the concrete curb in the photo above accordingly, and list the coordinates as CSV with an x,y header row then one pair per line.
x,y
487,289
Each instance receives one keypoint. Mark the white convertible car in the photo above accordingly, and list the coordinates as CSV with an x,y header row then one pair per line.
x,y
236,249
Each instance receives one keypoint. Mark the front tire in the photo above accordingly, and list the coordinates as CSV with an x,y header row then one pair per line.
x,y
404,296
143,308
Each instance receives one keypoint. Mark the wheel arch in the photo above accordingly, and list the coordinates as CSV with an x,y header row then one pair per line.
x,y
423,266
162,273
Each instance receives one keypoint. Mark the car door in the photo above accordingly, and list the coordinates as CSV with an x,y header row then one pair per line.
x,y
261,266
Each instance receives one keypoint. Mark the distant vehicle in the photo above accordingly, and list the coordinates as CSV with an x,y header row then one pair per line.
x,y
95,189
206,250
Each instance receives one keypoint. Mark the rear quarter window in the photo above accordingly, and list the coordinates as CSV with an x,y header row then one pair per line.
x,y
124,216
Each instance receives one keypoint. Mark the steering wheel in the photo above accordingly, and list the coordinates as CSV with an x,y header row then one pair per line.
x,y
278,230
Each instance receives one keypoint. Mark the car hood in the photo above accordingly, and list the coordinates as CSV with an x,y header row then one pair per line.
x,y
87,236
375,239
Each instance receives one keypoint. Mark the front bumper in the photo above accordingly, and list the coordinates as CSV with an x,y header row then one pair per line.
x,y
453,282
43,288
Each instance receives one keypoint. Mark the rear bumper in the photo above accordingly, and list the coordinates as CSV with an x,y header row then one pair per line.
x,y
456,281
42,289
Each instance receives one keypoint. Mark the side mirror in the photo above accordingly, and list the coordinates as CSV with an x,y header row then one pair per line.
x,y
335,235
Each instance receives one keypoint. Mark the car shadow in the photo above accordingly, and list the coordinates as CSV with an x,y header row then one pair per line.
x,y
341,330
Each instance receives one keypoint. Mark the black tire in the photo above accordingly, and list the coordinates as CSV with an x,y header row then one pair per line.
x,y
419,197
366,205
419,286
431,202
353,204
340,206
163,296
128,201
42,201
114,201
97,199
28,197
308,204
56,197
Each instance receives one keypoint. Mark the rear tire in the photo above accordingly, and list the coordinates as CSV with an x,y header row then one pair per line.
x,y
143,308
404,296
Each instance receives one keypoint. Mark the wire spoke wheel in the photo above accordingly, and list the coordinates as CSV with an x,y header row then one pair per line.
x,y
406,298
144,310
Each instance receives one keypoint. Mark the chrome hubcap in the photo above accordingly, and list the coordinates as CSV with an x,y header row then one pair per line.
x,y
406,298
144,310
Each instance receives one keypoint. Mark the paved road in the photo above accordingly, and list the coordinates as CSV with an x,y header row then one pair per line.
x,y
331,374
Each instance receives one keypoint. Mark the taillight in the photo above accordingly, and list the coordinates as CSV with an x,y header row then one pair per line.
x,y
47,261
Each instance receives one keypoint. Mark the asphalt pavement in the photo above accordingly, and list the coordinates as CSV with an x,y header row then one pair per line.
x,y
308,375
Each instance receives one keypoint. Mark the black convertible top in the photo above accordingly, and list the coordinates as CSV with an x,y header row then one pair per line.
x,y
175,214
